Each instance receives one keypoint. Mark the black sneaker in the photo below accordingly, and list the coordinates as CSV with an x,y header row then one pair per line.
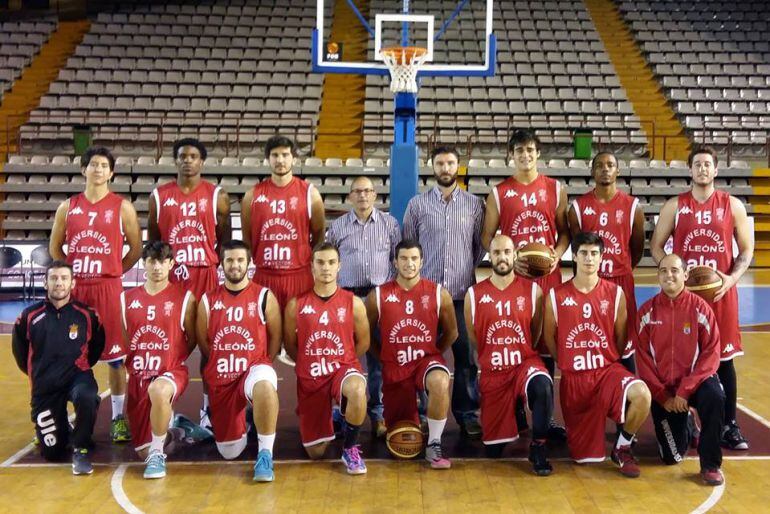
x,y
556,432
733,439
539,460
81,464
471,429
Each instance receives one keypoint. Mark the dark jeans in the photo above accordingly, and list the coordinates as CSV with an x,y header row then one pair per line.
x,y
49,414
374,386
465,387
673,434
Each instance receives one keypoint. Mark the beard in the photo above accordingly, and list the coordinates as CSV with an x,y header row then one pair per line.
x,y
446,180
502,272
234,277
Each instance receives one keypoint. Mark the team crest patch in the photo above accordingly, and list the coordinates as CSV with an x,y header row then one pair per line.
x,y
619,217
520,302
167,307
425,300
341,313
74,331
252,309
604,306
202,204
541,194
720,214
293,202
686,330
108,214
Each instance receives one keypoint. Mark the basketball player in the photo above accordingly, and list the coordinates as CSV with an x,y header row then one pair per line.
x,y
325,331
704,223
585,328
678,359
193,216
282,219
506,313
159,322
239,331
411,313
619,219
95,225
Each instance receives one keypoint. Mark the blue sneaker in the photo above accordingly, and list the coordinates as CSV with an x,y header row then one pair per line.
x,y
353,461
156,465
263,468
193,432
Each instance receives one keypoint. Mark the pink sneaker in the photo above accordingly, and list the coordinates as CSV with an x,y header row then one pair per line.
x,y
626,461
353,461
434,455
712,477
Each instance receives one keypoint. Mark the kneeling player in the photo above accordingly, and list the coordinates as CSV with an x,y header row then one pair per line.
x,y
506,313
325,331
159,323
585,328
410,310
239,331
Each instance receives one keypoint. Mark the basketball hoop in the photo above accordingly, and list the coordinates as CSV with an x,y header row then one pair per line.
x,y
404,62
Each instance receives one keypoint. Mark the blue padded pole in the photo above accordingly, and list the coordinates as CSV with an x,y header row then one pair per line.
x,y
403,154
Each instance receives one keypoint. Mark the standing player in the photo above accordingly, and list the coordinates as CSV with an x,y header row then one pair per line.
x,y
238,329
704,222
159,322
282,219
506,313
529,208
325,331
94,225
619,219
678,359
193,216
585,328
411,313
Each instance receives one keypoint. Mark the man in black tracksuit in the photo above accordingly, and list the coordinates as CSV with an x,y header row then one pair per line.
x,y
56,342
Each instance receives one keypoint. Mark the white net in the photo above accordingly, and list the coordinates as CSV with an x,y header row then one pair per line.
x,y
404,63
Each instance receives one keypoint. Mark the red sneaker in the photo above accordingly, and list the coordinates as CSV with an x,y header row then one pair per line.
x,y
712,476
626,461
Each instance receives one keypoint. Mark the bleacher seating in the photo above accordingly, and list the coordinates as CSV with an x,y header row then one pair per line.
x,y
20,41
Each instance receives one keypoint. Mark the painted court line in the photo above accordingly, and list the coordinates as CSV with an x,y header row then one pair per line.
x,y
754,415
10,461
116,485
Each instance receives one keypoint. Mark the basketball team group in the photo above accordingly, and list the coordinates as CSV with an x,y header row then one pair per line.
x,y
403,295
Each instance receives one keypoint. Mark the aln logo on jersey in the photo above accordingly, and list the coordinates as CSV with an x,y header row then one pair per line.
x,y
392,298
486,299
307,309
588,211
218,306
136,304
569,302
510,194
170,202
76,210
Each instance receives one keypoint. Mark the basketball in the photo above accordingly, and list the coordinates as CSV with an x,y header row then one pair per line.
x,y
404,440
704,282
538,258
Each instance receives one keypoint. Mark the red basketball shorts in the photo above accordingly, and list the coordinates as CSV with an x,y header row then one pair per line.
x,y
103,295
399,398
285,285
588,398
314,404
726,313
196,279
626,283
138,403
499,393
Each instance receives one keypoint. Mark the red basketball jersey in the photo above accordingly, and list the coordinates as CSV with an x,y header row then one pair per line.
x,y
188,222
703,232
408,325
501,322
528,211
614,221
585,326
155,328
325,335
237,333
94,237
280,225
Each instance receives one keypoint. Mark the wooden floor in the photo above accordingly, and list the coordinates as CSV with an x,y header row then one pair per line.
x,y
390,487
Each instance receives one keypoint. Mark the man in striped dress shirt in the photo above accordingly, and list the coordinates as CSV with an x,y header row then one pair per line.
x,y
366,238
447,222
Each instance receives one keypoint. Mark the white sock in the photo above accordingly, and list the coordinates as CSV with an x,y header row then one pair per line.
x,y
117,404
158,441
205,401
622,441
435,429
266,442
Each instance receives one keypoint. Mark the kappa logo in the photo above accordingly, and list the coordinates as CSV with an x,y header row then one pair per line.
x,y
136,304
169,202
589,211
262,199
76,210
115,349
218,306
685,210
486,299
625,381
569,302
307,309
531,370
729,348
392,298
510,194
